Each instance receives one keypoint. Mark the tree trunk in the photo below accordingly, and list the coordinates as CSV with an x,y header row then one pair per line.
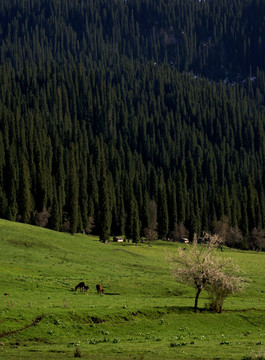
x,y
197,298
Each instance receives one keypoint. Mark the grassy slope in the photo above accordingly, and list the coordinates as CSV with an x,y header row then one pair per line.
x,y
144,314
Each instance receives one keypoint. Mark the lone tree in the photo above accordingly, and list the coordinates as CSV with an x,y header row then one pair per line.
x,y
204,269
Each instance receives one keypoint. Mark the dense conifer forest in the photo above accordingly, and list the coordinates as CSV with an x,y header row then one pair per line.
x,y
111,111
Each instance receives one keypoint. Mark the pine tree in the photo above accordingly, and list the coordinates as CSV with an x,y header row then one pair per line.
x,y
54,219
25,203
2,159
172,205
11,179
251,205
12,202
3,203
134,223
83,195
162,211
73,191
104,210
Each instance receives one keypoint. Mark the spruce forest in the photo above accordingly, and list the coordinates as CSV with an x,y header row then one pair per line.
x,y
111,108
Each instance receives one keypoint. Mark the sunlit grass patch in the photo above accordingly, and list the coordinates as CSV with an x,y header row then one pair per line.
x,y
144,312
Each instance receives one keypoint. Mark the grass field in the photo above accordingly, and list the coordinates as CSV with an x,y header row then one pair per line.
x,y
144,313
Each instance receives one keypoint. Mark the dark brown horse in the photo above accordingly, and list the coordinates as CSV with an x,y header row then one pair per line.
x,y
81,286
100,289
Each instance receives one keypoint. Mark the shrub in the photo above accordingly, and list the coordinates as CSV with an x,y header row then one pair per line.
x,y
77,352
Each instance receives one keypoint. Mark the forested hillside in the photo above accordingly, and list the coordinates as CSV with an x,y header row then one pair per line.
x,y
108,105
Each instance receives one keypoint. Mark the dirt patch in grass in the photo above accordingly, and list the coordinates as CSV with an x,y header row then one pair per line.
x,y
36,320
112,294
86,319
129,252
97,320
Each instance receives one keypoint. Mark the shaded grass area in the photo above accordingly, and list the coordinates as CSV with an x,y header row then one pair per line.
x,y
164,333
144,313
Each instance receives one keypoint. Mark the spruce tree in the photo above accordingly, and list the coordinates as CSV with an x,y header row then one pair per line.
x,y
133,223
3,203
162,212
83,195
25,202
104,210
73,191
54,219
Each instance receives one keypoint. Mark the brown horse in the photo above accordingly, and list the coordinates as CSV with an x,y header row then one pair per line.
x,y
100,289
81,286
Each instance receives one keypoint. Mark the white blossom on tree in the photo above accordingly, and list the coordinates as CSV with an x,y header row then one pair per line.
x,y
203,268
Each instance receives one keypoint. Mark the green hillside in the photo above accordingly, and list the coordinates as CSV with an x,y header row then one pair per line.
x,y
144,313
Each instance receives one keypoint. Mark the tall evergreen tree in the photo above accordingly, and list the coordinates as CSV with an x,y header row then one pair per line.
x,y
73,191
26,205
134,221
162,212
54,219
83,195
104,210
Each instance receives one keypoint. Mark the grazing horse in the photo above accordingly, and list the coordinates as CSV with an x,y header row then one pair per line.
x,y
81,286
86,287
100,289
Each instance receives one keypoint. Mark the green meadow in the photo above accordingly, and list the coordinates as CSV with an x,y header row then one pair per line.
x,y
144,313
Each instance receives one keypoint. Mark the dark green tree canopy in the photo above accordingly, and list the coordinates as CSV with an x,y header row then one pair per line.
x,y
106,106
